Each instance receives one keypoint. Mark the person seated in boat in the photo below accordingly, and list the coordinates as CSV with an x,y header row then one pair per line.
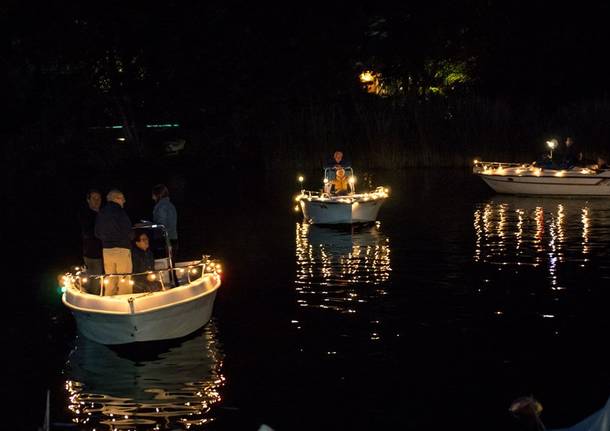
x,y
340,185
601,163
143,261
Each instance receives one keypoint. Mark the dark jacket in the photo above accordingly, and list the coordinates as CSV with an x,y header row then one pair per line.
x,y
113,227
142,260
344,163
92,246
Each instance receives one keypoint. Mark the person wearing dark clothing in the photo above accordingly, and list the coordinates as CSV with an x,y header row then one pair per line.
x,y
141,254
92,246
338,160
143,261
113,228
570,155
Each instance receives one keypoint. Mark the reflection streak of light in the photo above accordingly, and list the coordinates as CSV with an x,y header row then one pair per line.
x,y
343,263
179,386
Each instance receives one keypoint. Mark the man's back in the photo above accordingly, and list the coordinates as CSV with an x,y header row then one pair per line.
x,y
113,227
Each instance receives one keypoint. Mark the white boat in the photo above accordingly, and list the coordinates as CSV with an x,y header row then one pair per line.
x,y
169,302
324,207
529,179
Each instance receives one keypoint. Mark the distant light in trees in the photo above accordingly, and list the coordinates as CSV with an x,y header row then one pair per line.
x,y
371,82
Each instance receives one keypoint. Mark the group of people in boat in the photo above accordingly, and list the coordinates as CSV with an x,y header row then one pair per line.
x,y
340,184
111,245
567,156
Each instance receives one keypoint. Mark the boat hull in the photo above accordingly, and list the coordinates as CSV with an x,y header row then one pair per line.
x,y
320,212
557,186
123,319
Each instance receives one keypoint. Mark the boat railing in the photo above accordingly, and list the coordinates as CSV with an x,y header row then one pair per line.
x,y
481,166
142,282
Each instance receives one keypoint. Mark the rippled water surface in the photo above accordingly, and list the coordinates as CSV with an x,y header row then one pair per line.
x,y
455,303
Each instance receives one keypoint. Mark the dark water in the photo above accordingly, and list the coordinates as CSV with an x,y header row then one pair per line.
x,y
456,303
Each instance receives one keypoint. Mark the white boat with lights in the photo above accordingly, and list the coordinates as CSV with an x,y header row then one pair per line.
x,y
326,208
170,302
530,179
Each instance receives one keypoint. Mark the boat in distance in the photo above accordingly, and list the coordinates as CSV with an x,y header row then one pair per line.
x,y
529,179
171,301
327,208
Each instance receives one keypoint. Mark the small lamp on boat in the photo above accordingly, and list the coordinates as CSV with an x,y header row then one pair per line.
x,y
301,178
552,145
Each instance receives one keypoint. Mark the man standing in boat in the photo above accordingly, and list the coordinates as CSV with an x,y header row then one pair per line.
x,y
338,161
571,156
113,228
92,247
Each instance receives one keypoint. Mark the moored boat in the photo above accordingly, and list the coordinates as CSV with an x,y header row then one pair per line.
x,y
324,207
529,179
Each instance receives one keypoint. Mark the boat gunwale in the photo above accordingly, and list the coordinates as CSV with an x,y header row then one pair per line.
x,y
149,310
505,178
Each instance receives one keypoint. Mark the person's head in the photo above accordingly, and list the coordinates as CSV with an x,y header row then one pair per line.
x,y
569,141
340,173
159,192
142,241
338,156
116,196
94,199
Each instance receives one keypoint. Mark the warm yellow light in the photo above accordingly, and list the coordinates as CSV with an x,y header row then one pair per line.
x,y
151,277
367,77
560,174
296,207
476,161
194,271
352,180
301,178
84,279
325,180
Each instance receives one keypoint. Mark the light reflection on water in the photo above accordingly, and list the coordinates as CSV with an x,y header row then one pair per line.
x,y
340,269
175,388
549,232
